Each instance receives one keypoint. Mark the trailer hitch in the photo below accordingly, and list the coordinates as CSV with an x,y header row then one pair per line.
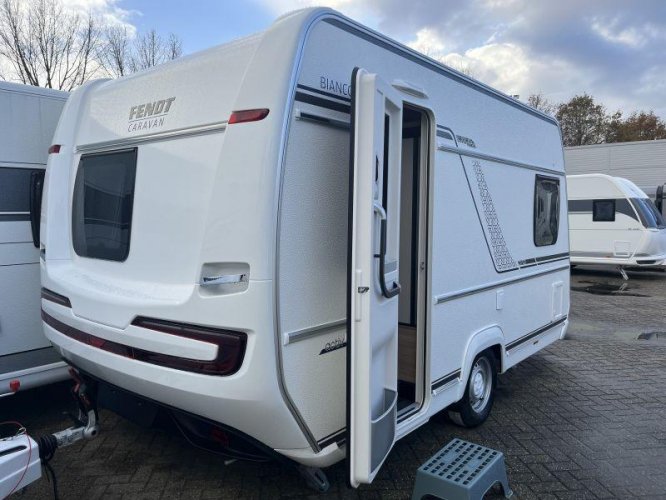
x,y
19,465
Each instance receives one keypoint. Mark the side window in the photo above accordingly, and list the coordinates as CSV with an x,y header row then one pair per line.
x,y
546,210
603,210
15,193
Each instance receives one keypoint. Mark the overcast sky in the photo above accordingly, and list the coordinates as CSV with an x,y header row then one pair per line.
x,y
614,50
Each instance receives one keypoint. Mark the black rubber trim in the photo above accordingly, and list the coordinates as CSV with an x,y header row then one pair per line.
x,y
442,381
535,333
350,230
338,436
322,102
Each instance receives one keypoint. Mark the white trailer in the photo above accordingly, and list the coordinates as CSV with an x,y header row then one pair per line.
x,y
29,118
309,241
613,222
641,162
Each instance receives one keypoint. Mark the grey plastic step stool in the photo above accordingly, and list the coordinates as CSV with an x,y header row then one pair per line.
x,y
461,470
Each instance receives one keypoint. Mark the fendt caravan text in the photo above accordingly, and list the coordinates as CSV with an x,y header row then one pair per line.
x,y
613,222
29,118
322,241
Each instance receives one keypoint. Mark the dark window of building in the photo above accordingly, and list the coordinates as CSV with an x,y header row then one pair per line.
x,y
102,205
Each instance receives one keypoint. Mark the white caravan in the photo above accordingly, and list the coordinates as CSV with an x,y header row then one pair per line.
x,y
641,162
611,221
307,242
29,116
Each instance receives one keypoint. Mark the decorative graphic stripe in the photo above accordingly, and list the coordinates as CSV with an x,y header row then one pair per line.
x,y
324,93
535,333
500,251
442,381
323,102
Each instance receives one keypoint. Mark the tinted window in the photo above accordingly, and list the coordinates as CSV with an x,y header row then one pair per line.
x,y
102,205
603,210
546,210
650,216
15,189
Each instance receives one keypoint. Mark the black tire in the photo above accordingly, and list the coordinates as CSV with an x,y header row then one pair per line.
x,y
474,407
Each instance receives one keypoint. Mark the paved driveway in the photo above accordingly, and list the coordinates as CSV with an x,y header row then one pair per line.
x,y
586,418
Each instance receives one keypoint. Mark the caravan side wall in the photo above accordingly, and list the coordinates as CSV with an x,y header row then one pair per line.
x,y
464,253
611,223
29,117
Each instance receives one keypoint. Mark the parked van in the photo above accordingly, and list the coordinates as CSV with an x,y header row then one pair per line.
x,y
303,243
29,118
613,222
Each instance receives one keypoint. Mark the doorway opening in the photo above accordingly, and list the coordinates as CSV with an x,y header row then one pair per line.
x,y
412,258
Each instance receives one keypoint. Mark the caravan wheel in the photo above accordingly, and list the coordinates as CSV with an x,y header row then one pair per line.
x,y
473,409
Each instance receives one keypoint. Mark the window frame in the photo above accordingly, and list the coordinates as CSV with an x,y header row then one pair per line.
x,y
538,178
604,200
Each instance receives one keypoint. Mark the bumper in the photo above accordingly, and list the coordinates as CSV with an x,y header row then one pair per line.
x,y
249,400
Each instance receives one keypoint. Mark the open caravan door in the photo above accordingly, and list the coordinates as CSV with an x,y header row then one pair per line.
x,y
372,305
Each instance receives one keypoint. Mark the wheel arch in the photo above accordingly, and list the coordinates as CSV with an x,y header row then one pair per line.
x,y
489,338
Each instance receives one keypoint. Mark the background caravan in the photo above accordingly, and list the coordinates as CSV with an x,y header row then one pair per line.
x,y
297,256
29,118
611,221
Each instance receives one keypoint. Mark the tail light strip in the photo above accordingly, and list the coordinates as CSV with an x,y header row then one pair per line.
x,y
230,345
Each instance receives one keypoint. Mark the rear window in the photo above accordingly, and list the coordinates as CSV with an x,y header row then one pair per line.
x,y
102,205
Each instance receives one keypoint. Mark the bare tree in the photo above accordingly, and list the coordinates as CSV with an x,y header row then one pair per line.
x,y
539,101
174,47
115,51
47,45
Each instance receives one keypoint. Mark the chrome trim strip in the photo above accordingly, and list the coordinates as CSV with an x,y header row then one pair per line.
x,y
224,279
498,159
157,136
312,331
445,297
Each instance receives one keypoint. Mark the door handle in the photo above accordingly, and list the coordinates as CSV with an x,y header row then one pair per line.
x,y
386,291
379,209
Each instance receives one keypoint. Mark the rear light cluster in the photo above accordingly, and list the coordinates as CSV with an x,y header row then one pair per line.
x,y
56,298
248,115
54,149
230,345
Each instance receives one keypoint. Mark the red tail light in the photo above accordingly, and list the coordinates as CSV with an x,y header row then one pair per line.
x,y
230,345
248,115
55,297
54,149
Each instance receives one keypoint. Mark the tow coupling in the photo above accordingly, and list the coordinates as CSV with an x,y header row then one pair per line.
x,y
21,456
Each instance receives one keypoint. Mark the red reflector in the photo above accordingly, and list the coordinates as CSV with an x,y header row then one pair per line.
x,y
54,149
248,115
14,385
